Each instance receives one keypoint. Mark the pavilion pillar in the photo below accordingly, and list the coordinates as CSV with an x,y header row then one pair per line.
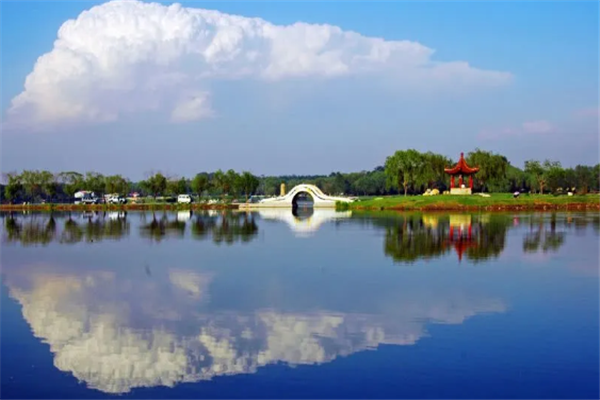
x,y
471,182
460,181
452,182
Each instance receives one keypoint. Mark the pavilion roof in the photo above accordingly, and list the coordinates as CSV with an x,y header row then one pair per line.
x,y
461,167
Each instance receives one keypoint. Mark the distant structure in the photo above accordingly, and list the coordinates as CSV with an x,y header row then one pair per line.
x,y
282,189
461,168
289,199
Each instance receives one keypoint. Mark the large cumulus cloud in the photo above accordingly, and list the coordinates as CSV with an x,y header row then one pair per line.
x,y
126,57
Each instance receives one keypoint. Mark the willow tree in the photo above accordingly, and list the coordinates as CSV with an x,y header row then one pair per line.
x,y
432,173
404,168
535,170
492,167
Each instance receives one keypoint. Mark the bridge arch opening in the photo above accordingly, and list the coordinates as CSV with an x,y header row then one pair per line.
x,y
303,200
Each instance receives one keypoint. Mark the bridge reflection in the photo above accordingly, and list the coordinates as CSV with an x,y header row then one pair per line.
x,y
304,222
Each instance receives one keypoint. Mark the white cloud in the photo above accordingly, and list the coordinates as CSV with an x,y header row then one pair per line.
x,y
191,109
526,128
537,127
128,56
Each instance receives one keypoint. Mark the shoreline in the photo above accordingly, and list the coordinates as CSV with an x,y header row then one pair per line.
x,y
461,207
433,207
115,207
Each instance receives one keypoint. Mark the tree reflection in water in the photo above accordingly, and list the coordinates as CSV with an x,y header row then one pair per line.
x,y
38,229
417,236
226,227
408,237
542,236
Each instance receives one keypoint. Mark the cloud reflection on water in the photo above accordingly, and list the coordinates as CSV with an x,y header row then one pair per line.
x,y
116,333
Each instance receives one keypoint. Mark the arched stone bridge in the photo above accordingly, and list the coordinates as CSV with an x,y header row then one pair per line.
x,y
320,199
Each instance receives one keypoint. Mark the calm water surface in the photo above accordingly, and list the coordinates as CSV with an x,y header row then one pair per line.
x,y
318,304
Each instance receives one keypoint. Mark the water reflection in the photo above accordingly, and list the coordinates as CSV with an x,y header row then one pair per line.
x,y
304,222
117,325
42,229
544,236
116,333
408,237
411,237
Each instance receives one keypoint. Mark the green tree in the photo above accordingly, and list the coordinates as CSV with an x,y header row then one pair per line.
x,y
200,183
218,181
182,186
13,186
537,173
116,184
584,178
403,168
554,174
48,184
71,182
248,183
94,182
31,183
231,183
432,173
156,185
492,167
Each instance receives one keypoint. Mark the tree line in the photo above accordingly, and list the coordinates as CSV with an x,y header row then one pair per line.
x,y
404,172
409,171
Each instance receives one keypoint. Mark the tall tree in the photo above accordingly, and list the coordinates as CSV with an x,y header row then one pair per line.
x,y
231,182
200,183
94,182
116,184
584,178
536,171
71,182
13,186
182,186
492,167
156,184
31,183
248,183
403,168
218,181
554,174
432,173
48,184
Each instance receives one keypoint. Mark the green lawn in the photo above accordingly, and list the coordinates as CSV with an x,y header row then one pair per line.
x,y
496,200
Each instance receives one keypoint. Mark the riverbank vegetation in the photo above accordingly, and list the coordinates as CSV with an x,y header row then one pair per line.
x,y
406,172
495,202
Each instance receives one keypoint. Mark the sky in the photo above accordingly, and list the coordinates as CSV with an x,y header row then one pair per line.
x,y
135,87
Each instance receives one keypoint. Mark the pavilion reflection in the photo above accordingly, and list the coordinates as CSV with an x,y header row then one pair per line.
x,y
411,237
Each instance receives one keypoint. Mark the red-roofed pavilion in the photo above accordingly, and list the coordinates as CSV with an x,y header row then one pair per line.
x,y
461,168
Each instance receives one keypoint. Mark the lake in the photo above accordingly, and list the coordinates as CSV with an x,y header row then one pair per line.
x,y
310,304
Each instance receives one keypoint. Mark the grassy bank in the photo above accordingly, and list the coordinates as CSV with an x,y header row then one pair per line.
x,y
496,202
114,207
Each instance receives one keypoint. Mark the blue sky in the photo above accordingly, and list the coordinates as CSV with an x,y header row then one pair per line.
x,y
531,92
